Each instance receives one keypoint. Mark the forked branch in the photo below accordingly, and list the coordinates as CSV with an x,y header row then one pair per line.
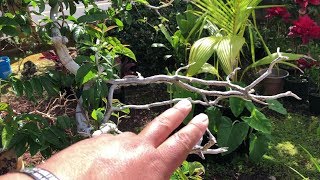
x,y
186,83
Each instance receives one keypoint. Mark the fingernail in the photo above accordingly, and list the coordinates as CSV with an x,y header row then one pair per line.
x,y
183,103
200,118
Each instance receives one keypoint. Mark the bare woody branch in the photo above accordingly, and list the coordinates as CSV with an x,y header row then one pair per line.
x,y
186,83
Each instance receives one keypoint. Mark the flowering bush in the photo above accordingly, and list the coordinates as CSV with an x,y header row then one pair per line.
x,y
281,12
305,28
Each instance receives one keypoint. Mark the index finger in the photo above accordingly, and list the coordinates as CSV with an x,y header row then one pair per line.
x,y
162,126
176,148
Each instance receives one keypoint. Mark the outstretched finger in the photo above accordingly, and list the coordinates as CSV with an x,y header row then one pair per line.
x,y
162,126
176,148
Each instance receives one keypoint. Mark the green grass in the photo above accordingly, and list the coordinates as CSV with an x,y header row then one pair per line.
x,y
289,132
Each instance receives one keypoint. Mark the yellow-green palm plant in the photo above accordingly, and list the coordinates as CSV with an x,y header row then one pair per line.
x,y
231,17
228,21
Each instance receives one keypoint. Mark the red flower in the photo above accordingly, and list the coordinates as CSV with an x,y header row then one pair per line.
x,y
305,28
304,3
278,12
304,64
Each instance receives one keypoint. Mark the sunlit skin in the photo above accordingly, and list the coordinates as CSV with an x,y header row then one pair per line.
x,y
151,154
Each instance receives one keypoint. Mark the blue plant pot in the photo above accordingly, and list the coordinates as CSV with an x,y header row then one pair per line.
x,y
5,68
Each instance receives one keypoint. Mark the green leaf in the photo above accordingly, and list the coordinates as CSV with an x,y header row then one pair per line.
x,y
50,137
228,49
28,90
92,18
208,68
196,168
119,23
258,121
85,73
34,147
5,107
17,86
268,59
276,106
237,105
73,7
230,134
48,85
21,147
6,136
97,115
127,52
200,53
250,106
7,21
63,122
318,131
258,146
53,3
165,32
215,117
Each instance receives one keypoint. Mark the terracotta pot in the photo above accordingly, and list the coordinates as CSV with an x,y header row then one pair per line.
x,y
273,84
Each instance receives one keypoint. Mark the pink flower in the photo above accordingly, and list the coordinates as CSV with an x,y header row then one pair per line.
x,y
278,12
305,28
304,3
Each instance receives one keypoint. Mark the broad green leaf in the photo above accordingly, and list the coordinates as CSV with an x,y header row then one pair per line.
x,y
200,53
21,147
276,106
258,121
17,86
53,3
85,73
127,52
36,86
34,147
258,146
5,107
231,134
10,30
6,136
237,105
196,168
63,122
268,59
7,21
215,117
97,115
50,137
49,86
228,50
208,68
28,89
250,106
92,18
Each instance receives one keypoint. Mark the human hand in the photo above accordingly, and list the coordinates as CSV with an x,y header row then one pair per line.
x,y
148,155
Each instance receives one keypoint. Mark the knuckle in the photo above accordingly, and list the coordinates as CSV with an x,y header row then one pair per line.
x,y
183,139
198,128
164,122
179,111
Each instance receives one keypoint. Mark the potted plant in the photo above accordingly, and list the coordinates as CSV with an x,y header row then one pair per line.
x,y
314,91
297,81
274,83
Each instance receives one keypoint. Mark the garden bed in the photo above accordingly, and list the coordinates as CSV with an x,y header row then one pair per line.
x,y
297,128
